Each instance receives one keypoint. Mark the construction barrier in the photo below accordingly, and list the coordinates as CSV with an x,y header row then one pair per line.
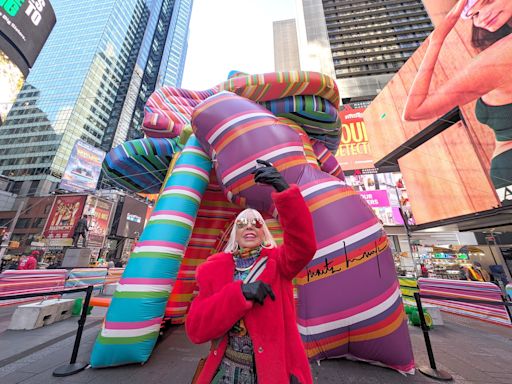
x,y
14,282
467,290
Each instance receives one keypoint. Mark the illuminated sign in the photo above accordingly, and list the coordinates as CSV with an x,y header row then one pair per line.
x,y
354,150
24,27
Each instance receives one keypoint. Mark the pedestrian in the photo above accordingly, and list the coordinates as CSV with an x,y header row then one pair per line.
x,y
424,270
81,229
463,275
477,273
245,305
111,264
27,262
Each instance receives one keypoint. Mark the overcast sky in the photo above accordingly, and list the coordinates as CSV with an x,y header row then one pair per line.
x,y
231,34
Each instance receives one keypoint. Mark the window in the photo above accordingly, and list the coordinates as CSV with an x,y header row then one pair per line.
x,y
22,223
38,222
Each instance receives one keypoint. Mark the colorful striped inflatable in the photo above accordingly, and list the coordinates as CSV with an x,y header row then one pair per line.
x,y
140,165
349,297
461,289
30,281
133,319
317,116
278,85
214,216
308,98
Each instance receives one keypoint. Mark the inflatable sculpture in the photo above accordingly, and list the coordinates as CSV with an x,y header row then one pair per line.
x,y
200,150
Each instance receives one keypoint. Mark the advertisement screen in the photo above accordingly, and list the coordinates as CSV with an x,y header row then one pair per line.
x,y
133,217
98,212
64,215
24,27
11,81
467,158
354,150
83,168
386,194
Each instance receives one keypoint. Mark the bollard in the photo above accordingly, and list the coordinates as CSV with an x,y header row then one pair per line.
x,y
431,371
74,367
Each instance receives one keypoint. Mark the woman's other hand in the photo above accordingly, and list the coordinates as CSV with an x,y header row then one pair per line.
x,y
270,175
444,28
257,291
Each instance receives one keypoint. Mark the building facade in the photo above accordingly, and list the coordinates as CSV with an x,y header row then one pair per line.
x,y
90,82
286,46
369,39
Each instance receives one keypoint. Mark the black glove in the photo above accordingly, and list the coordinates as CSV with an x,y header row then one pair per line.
x,y
293,379
257,291
270,175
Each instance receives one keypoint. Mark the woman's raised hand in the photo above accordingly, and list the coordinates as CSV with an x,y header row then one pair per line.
x,y
270,175
443,29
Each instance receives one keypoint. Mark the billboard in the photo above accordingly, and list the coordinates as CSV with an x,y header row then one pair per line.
x,y
99,212
468,155
354,150
65,213
132,219
83,168
385,193
11,81
24,27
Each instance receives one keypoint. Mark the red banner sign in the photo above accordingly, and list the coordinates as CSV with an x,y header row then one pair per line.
x,y
99,216
65,213
354,150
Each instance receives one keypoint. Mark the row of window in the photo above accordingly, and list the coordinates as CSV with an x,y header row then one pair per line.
x,y
391,66
355,60
364,49
376,40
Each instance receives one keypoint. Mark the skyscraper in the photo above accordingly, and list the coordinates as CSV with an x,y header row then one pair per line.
x,y
90,82
286,46
369,39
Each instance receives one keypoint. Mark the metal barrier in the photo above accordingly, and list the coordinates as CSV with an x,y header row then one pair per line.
x,y
432,371
73,366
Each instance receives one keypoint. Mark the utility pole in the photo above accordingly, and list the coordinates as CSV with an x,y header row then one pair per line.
x,y
407,229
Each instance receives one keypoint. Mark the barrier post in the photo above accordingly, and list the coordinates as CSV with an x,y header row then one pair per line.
x,y
74,367
431,371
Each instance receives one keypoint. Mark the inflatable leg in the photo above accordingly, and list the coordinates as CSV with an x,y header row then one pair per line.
x,y
349,299
215,215
133,320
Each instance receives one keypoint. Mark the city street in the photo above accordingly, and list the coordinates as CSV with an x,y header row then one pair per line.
x,y
293,178
470,351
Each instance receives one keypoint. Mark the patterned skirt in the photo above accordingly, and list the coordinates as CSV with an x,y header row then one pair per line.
x,y
235,368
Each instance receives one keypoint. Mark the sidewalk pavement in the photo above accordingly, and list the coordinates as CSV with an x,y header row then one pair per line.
x,y
472,353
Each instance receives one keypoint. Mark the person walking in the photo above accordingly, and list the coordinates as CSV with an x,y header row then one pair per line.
x,y
245,305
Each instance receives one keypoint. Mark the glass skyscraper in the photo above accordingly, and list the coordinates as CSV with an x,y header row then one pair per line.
x,y
90,82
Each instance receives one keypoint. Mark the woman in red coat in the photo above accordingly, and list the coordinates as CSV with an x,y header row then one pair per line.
x,y
245,305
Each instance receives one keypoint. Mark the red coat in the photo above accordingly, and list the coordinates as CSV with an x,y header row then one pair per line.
x,y
27,262
278,348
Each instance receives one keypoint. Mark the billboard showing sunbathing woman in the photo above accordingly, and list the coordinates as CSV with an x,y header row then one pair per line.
x,y
486,78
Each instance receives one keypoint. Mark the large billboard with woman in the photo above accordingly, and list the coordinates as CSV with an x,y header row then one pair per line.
x,y
465,63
